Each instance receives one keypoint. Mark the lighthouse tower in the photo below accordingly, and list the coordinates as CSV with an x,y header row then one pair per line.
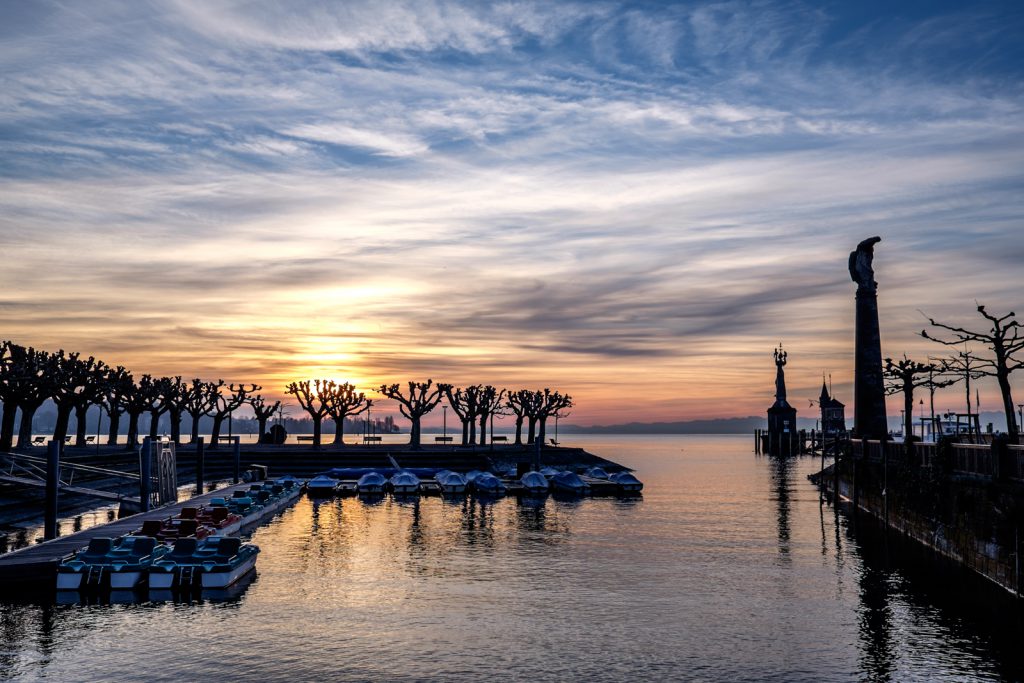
x,y
783,438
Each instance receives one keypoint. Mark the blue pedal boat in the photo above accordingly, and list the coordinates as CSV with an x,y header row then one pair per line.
x,y
120,563
216,562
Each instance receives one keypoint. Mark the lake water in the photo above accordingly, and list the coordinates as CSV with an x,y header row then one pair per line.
x,y
727,569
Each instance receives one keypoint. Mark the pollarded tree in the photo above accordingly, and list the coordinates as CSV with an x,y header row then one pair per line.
x,y
118,384
91,394
459,402
342,401
550,403
34,386
902,377
136,398
9,380
422,398
172,392
519,402
489,403
312,396
198,400
263,411
1004,340
72,377
228,402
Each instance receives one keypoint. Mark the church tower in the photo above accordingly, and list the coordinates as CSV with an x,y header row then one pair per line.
x,y
783,438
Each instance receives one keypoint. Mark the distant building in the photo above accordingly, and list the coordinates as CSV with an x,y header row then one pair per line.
x,y
783,438
833,413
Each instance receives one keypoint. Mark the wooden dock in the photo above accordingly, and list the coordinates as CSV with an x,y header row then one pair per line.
x,y
37,565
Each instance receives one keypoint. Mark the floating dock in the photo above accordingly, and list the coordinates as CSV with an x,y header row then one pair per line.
x,y
37,565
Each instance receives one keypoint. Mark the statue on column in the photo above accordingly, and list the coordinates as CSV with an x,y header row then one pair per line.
x,y
860,264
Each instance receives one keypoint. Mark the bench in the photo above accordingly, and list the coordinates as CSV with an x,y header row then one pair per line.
x,y
444,439
39,441
553,442
300,439
230,439
499,438
373,439
90,439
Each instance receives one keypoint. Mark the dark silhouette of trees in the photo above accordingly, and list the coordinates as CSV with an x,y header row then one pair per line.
x,y
342,401
903,377
12,376
464,404
199,400
72,377
422,398
35,384
1004,340
520,403
136,398
172,393
312,396
227,403
112,400
488,403
549,403
91,394
263,411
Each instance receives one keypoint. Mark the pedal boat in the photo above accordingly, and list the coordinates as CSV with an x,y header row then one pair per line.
x,y
217,562
121,563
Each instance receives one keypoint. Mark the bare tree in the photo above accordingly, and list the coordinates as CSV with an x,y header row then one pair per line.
x,y
312,396
462,406
35,384
172,393
91,393
422,398
263,411
489,403
198,400
112,400
72,377
550,402
10,372
227,403
1004,340
519,402
902,377
342,401
136,398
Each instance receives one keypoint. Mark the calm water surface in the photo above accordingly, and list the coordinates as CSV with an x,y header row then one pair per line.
x,y
727,569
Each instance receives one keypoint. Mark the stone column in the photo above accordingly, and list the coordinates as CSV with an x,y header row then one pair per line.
x,y
869,385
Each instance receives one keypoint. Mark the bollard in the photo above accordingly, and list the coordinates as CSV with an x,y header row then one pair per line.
x,y
200,465
145,465
237,456
52,479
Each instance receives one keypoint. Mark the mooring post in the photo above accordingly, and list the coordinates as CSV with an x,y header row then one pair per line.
x,y
52,479
237,456
200,465
536,452
145,465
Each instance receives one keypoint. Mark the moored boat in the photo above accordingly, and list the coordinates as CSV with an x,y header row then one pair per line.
x,y
450,482
485,482
371,482
570,482
120,563
596,473
549,471
404,481
534,482
217,562
627,482
321,485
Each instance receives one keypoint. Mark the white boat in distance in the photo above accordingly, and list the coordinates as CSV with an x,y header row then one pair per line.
x,y
404,482
451,482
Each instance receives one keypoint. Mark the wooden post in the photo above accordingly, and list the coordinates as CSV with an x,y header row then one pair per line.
x,y
52,480
236,456
200,466
145,465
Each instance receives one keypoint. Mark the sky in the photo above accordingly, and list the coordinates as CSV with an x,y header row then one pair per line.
x,y
633,203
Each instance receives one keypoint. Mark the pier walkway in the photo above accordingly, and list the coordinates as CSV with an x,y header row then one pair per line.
x,y
38,564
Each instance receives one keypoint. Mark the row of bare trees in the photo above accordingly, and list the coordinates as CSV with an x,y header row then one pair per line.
x,y
29,377
1002,344
474,406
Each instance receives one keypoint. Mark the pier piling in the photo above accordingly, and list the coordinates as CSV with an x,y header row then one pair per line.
x,y
200,465
236,456
145,465
52,479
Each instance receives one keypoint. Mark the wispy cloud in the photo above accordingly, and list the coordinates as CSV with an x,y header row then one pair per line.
x,y
599,196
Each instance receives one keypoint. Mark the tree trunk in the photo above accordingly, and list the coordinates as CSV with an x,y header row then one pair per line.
x,y
317,431
133,431
262,420
533,429
519,430
115,425
465,431
154,423
195,428
472,432
414,434
908,408
218,422
175,417
542,430
28,412
81,417
60,430
1012,428
339,431
483,429
7,425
